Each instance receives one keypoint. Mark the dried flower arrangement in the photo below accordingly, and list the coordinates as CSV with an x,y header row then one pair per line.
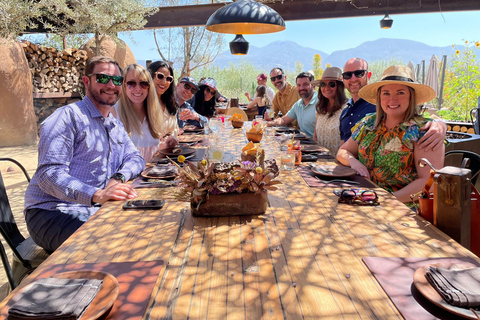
x,y
206,178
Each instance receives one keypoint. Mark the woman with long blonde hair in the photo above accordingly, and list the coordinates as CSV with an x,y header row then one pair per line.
x,y
139,110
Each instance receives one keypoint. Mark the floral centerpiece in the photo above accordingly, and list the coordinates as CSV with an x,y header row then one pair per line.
x,y
231,188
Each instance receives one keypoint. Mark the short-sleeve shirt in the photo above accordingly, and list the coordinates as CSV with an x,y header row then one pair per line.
x,y
352,114
388,153
305,115
283,101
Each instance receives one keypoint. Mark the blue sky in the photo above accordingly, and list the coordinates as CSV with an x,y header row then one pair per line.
x,y
328,35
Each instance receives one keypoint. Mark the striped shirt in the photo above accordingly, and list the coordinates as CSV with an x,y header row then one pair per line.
x,y
78,152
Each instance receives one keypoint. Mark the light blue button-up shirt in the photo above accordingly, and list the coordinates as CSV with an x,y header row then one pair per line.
x,y
305,114
78,152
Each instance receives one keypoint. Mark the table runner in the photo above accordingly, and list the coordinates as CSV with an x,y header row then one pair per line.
x,y
395,276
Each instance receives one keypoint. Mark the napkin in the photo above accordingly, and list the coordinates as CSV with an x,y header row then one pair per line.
x,y
54,298
162,171
460,288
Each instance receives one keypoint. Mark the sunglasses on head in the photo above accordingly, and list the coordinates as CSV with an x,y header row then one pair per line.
x,y
331,84
187,86
357,196
105,78
210,90
133,84
279,77
161,76
358,73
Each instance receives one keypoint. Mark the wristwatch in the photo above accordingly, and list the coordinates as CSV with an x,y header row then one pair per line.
x,y
119,176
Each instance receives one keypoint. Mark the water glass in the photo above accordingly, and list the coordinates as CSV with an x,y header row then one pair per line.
x,y
297,154
270,131
287,161
215,124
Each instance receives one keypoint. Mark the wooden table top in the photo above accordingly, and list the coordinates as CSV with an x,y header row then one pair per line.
x,y
301,260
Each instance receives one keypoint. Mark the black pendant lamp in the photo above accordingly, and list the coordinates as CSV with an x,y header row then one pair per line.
x,y
245,17
386,22
239,46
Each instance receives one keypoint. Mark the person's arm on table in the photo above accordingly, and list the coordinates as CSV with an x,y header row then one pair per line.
x,y
347,155
189,113
283,121
434,137
436,158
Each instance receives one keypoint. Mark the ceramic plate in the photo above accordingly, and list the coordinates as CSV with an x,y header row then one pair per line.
x,y
288,129
160,171
176,151
300,136
191,128
189,138
101,304
333,171
422,285
313,148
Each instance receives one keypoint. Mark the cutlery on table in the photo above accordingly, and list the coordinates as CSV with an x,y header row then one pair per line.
x,y
337,180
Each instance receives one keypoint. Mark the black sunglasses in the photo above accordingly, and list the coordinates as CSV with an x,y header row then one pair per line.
x,y
279,77
187,86
105,78
133,84
161,76
331,84
210,90
358,73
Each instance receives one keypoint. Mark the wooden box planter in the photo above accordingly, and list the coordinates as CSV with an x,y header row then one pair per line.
x,y
231,204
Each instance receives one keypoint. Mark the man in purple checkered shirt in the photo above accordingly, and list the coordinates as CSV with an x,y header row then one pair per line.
x,y
85,156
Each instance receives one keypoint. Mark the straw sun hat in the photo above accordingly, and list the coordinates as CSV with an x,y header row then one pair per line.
x,y
332,73
397,75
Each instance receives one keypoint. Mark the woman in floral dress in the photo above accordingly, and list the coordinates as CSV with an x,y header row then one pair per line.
x,y
331,101
383,146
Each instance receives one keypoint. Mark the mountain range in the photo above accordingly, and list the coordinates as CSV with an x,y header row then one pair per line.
x,y
286,54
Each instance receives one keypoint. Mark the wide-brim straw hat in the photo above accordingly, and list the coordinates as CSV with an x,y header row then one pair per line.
x,y
331,73
398,75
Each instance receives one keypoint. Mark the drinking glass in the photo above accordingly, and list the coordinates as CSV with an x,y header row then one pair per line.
x,y
297,154
287,161
215,124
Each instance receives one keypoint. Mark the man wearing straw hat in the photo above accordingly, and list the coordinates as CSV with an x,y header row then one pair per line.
x,y
355,77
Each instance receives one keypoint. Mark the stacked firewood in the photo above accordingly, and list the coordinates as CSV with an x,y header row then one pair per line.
x,y
53,70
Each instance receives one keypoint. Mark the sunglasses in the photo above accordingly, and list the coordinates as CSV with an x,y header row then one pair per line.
x,y
105,78
357,196
133,84
193,90
279,77
331,84
210,90
160,76
358,73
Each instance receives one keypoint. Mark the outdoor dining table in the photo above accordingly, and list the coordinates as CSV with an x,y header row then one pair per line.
x,y
302,259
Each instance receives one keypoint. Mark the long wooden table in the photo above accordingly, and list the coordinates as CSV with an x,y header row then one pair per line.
x,y
301,260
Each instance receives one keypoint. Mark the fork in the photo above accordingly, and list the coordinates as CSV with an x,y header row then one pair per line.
x,y
337,180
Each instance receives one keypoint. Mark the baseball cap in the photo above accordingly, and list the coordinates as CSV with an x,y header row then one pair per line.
x,y
191,81
262,76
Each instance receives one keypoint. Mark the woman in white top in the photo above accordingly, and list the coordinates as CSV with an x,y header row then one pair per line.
x,y
331,101
139,110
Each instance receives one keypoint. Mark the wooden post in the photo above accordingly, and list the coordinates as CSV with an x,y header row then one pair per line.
x,y
451,205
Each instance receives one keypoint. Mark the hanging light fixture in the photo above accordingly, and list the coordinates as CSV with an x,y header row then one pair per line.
x,y
239,46
245,17
386,22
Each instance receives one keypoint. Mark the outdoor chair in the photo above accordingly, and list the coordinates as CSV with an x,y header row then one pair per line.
x,y
455,158
26,254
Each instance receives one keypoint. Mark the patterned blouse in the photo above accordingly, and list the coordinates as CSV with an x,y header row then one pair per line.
x,y
327,131
388,154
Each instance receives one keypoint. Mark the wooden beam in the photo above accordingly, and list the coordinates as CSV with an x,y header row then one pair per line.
x,y
197,15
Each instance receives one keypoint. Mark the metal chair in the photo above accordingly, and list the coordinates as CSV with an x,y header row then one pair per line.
x,y
456,157
26,254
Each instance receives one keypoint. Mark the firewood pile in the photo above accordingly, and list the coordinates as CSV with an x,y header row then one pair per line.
x,y
53,70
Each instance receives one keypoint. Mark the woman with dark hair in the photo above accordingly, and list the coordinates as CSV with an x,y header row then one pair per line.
x,y
261,100
331,101
163,78
204,100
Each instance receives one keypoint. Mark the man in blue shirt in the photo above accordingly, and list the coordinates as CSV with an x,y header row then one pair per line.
x,y
186,88
355,77
85,156
304,109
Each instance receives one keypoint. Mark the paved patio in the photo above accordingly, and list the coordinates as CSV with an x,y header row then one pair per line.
x,y
16,185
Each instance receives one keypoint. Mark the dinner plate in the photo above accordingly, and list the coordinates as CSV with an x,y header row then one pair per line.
x,y
100,305
288,129
300,136
189,138
333,171
313,148
429,292
160,171
192,128
176,151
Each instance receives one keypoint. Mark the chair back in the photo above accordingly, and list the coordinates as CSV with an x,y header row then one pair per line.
x,y
231,111
7,267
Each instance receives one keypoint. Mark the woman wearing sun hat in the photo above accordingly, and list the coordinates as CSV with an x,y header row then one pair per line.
x,y
383,146
204,100
331,101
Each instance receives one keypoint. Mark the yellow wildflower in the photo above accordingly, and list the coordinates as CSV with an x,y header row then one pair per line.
x,y
457,52
259,169
181,159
